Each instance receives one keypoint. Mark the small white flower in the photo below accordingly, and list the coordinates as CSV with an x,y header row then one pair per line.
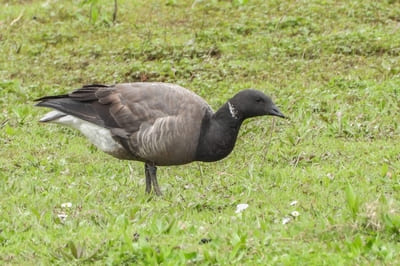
x,y
182,225
188,186
293,203
66,205
286,220
295,214
190,42
62,216
241,207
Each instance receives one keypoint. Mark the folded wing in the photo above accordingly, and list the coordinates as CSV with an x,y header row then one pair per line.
x,y
155,122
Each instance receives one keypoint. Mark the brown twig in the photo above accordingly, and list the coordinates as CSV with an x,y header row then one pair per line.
x,y
115,11
17,19
4,123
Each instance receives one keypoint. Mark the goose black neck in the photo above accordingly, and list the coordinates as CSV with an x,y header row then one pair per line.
x,y
218,134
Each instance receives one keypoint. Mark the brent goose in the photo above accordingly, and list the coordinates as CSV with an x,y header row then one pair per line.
x,y
156,123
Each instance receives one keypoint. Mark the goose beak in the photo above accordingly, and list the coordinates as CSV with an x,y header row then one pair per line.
x,y
275,112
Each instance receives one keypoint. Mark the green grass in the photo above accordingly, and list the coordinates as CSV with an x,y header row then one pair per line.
x,y
332,67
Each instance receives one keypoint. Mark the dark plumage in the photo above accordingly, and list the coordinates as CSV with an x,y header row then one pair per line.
x,y
156,123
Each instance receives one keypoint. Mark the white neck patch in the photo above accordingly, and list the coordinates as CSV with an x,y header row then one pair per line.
x,y
233,111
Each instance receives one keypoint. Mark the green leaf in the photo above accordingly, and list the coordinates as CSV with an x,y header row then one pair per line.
x,y
73,249
94,15
76,250
353,201
169,227
10,130
190,255
240,2
392,223
385,169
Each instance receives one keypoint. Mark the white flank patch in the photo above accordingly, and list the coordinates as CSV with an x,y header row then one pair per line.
x,y
99,136
50,116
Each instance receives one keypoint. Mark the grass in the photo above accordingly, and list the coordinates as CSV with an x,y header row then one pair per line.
x,y
331,66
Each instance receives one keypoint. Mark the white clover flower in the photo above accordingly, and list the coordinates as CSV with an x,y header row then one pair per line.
x,y
286,220
295,214
66,205
241,207
62,216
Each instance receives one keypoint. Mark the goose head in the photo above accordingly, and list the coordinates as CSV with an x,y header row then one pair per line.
x,y
250,103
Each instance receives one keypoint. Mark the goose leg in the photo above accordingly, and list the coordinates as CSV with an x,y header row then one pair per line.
x,y
148,178
151,179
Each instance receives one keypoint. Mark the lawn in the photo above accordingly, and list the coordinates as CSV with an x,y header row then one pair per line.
x,y
322,187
